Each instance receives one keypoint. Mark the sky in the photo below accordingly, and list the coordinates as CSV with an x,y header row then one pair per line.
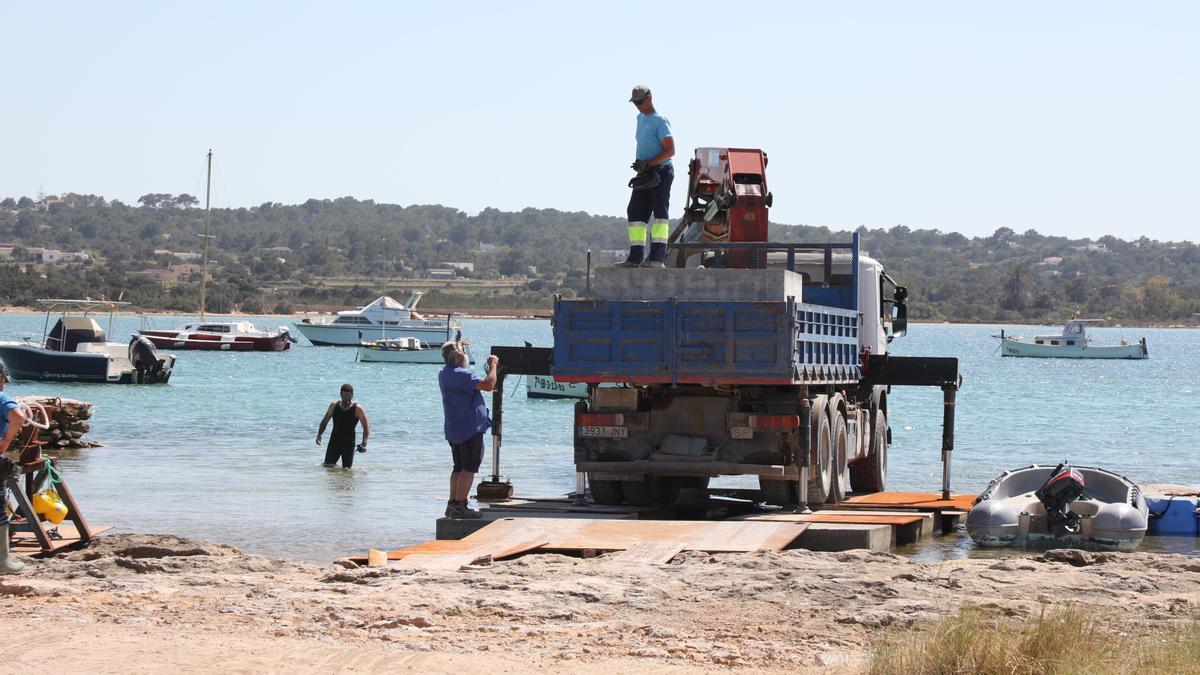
x,y
1079,119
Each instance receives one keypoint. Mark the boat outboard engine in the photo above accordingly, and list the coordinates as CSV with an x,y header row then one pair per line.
x,y
1063,487
144,358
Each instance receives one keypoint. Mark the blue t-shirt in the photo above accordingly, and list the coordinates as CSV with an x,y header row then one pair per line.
x,y
651,130
462,404
7,403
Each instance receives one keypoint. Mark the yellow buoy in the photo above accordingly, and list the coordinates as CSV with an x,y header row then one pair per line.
x,y
49,506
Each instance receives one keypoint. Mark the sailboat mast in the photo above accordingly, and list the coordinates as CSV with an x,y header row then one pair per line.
x,y
207,208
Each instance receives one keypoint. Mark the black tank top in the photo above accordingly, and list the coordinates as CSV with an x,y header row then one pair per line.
x,y
344,422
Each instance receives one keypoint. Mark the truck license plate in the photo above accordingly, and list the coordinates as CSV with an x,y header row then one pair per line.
x,y
741,432
603,432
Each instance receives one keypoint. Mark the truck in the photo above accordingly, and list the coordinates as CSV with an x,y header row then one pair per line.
x,y
742,357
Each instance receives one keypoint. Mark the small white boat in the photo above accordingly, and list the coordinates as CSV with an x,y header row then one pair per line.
x,y
1072,343
403,350
376,321
541,386
1059,507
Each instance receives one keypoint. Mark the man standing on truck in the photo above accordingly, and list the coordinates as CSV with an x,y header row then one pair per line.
x,y
466,418
652,186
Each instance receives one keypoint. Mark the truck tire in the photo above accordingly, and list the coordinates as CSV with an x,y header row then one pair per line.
x,y
640,492
606,492
820,463
778,492
837,447
869,474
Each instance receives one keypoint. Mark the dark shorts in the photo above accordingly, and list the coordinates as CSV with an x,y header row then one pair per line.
x,y
334,451
653,202
468,455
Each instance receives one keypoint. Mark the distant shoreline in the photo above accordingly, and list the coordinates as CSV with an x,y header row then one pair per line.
x,y
495,313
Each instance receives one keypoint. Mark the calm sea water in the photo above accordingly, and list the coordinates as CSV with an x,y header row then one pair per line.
x,y
226,451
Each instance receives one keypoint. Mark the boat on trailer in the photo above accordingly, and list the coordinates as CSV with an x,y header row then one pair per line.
x,y
544,386
76,349
1059,507
1072,343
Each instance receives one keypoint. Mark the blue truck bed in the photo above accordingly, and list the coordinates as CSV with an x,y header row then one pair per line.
x,y
776,342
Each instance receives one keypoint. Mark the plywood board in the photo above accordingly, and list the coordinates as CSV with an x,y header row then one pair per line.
x,y
26,543
436,561
376,558
920,500
650,552
862,519
721,536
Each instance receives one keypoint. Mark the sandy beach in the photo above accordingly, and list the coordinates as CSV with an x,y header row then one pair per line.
x,y
158,603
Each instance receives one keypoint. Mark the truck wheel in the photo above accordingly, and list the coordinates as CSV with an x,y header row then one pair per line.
x,y
778,492
640,492
869,474
841,474
820,469
606,492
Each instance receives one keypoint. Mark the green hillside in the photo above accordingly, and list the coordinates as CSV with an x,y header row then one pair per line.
x,y
343,252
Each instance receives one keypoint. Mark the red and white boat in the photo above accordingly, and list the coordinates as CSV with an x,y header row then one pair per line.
x,y
231,336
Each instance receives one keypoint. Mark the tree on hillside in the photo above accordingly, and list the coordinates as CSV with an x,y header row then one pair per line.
x,y
1018,288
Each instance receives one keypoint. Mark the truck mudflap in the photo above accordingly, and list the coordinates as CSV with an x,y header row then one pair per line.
x,y
636,469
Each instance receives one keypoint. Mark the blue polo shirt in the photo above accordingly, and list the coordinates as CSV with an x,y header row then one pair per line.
x,y
7,404
651,130
462,404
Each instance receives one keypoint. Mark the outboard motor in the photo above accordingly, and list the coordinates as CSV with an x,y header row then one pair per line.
x,y
144,358
1064,486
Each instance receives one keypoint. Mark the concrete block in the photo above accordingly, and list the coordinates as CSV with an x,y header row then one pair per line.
x,y
696,285
846,536
457,528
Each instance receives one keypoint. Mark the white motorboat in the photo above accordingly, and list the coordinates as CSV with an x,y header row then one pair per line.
x,y
1072,343
541,386
403,350
77,350
1059,507
375,322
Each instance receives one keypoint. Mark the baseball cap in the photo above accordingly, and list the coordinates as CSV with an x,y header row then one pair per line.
x,y
639,92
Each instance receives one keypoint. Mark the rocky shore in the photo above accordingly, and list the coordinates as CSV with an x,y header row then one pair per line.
x,y
161,603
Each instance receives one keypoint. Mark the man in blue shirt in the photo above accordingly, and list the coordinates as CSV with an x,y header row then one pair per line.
x,y
467,417
11,421
648,205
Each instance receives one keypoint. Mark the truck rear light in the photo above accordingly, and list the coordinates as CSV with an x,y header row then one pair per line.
x,y
775,421
600,420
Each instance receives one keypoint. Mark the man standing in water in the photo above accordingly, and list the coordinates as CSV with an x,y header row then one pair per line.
x,y
346,414
652,188
466,418
11,421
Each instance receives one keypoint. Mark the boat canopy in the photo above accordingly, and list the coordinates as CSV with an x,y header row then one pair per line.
x,y
72,331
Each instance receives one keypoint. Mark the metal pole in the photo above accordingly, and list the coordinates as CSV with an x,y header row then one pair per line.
x,y
207,206
805,451
949,391
588,293
497,422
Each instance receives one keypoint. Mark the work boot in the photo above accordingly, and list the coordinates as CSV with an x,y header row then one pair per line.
x,y
8,564
658,255
462,512
636,255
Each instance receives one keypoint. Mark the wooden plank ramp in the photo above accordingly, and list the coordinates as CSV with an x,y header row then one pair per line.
x,y
650,540
915,500
907,528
